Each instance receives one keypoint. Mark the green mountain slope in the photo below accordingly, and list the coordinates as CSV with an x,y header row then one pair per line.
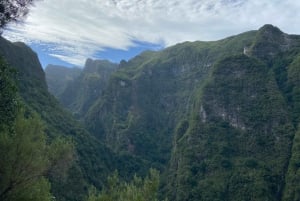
x,y
219,116
219,119
80,93
58,78
94,160
150,94
237,144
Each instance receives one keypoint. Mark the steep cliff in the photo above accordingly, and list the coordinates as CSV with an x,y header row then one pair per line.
x,y
58,77
80,93
239,142
221,116
219,119
151,93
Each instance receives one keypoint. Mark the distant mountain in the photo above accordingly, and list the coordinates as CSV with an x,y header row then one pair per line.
x,y
79,93
58,77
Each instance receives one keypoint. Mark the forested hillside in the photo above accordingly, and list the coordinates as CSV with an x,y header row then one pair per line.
x,y
80,93
239,141
219,120
92,161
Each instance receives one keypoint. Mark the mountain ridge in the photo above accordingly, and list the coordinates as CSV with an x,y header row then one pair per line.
x,y
94,160
219,119
80,92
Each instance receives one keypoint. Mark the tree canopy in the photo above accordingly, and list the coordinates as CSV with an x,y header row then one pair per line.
x,y
8,95
137,190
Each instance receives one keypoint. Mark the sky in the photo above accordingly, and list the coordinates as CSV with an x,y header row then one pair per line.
x,y
67,32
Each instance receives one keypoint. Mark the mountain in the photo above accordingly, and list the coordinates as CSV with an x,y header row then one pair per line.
x,y
80,92
94,161
58,77
236,145
149,95
219,119
239,141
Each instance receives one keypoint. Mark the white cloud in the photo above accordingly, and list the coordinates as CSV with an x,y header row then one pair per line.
x,y
80,28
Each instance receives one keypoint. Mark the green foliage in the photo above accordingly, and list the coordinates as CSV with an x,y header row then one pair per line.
x,y
93,161
230,150
27,157
148,95
227,116
24,161
223,121
137,190
289,64
294,86
61,154
8,95
292,188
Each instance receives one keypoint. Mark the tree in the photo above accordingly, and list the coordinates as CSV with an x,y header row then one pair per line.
x,y
13,10
137,190
8,95
25,159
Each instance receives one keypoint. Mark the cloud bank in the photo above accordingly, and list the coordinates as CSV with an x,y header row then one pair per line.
x,y
77,29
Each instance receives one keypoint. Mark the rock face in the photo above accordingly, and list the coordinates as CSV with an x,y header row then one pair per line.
x,y
58,77
80,93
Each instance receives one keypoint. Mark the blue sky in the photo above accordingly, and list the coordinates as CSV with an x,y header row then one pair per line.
x,y
68,32
113,55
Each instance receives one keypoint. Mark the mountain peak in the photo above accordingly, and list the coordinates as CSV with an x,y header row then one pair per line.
x,y
269,28
94,65
271,33
270,41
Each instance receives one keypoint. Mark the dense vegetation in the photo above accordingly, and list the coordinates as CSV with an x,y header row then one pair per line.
x,y
93,161
137,190
218,119
237,144
79,91
25,154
